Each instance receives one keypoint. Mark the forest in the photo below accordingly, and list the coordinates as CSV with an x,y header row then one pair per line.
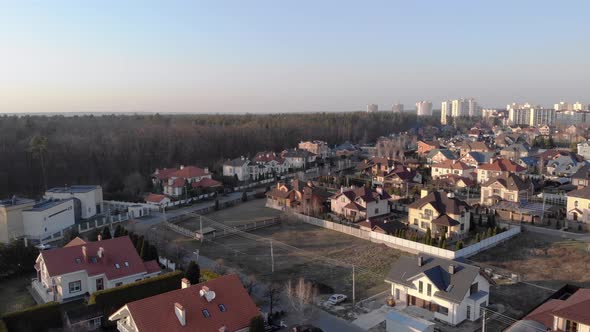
x,y
118,151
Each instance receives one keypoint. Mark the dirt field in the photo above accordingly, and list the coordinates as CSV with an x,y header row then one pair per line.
x,y
542,259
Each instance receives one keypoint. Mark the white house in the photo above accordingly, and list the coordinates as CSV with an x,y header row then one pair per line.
x,y
81,268
298,158
453,291
90,198
237,167
584,150
47,218
157,199
11,217
360,203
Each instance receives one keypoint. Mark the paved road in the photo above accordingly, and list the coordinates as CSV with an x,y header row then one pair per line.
x,y
556,233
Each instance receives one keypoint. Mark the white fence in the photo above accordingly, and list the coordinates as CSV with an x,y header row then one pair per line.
x,y
412,246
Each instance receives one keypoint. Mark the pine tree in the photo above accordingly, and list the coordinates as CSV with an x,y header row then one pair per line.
x,y
106,233
139,244
118,231
145,250
193,273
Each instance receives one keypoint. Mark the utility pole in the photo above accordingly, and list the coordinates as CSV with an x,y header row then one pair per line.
x,y
272,258
201,227
353,289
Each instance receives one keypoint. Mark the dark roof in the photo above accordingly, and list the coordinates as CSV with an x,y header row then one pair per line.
x,y
452,287
581,193
236,162
509,181
48,204
73,189
582,173
445,220
441,202
15,201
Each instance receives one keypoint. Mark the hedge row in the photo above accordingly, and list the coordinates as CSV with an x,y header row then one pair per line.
x,y
207,275
110,300
38,318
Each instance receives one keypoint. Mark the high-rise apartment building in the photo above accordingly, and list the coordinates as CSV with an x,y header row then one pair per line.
x,y
397,108
530,115
460,107
372,108
424,108
445,111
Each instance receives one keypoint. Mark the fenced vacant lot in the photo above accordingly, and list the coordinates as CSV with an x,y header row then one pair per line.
x,y
243,213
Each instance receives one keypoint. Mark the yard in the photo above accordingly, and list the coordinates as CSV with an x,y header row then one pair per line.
x,y
14,294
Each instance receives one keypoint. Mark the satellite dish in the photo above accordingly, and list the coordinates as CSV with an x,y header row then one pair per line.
x,y
209,296
202,292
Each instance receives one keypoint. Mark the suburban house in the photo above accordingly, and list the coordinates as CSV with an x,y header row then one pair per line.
x,y
497,167
453,291
319,148
515,151
376,166
478,146
218,305
582,177
399,177
506,187
81,268
441,212
11,218
564,314
451,167
475,158
47,219
88,199
578,205
439,155
303,197
157,199
455,181
425,147
360,203
272,162
383,226
175,182
565,165
584,149
297,158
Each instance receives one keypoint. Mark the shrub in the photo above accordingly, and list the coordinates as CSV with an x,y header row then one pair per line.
x,y
208,275
110,300
459,245
38,318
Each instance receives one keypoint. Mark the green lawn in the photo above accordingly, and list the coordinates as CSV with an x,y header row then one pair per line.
x,y
14,294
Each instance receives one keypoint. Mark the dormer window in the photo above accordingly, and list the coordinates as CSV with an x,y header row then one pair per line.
x,y
117,266
126,264
206,313
93,259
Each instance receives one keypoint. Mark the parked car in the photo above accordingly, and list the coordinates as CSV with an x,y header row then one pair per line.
x,y
336,298
43,246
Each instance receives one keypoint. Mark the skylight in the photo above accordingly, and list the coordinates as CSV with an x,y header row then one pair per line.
x,y
117,266
222,308
206,313
127,264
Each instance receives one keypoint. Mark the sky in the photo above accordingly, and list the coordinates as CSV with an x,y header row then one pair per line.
x,y
288,56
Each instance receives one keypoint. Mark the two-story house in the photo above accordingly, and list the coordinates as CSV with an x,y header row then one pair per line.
x,y
578,205
319,148
475,158
297,158
506,187
453,291
441,212
424,147
451,167
218,305
273,162
174,181
497,167
568,314
439,155
581,178
360,203
299,196
238,168
80,268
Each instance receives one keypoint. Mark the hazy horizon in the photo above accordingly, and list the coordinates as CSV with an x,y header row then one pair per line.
x,y
269,57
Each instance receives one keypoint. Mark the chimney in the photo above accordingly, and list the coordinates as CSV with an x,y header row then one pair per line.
x,y
84,253
206,170
185,283
100,252
223,329
420,260
379,190
181,166
180,313
423,193
452,269
99,237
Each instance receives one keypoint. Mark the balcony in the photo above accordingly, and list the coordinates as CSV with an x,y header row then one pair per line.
x,y
42,293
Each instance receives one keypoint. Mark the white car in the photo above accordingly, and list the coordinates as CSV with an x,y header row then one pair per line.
x,y
43,246
336,298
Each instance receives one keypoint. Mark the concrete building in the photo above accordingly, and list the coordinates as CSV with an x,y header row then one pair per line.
x,y
372,108
48,218
530,115
11,218
80,268
424,108
474,109
397,108
584,149
452,291
445,111
541,116
580,107
563,106
89,198
460,107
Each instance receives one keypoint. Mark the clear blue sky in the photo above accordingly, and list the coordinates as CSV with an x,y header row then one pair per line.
x,y
285,56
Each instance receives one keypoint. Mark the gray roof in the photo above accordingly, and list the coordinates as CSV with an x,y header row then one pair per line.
x,y
15,201
73,189
236,162
452,287
47,204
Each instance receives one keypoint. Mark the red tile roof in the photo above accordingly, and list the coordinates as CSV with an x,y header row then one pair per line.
x,y
178,183
156,313
75,242
152,266
154,198
576,307
164,173
453,164
502,165
189,172
206,183
543,313
116,251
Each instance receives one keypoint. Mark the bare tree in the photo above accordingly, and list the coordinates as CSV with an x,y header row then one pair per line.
x,y
249,283
273,292
301,295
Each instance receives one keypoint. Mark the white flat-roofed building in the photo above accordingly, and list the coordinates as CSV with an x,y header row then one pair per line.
x,y
47,218
90,197
424,108
11,218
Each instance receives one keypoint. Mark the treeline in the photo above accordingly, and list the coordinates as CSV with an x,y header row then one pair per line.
x,y
117,150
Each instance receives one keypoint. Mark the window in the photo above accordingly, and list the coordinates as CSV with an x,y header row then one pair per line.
x,y
473,289
117,266
576,204
420,286
428,289
376,211
416,221
221,308
75,286
462,227
424,225
206,313
126,264
444,310
469,312
93,260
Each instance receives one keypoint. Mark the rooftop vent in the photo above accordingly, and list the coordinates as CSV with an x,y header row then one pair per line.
x,y
100,252
452,269
420,260
180,313
185,283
